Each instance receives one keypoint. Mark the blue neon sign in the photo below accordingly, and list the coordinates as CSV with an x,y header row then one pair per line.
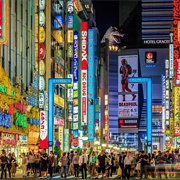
x,y
75,56
149,106
51,83
91,76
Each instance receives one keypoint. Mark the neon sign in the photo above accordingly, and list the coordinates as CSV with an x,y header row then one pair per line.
x,y
84,27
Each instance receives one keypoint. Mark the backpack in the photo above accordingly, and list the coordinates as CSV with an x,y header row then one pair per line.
x,y
129,69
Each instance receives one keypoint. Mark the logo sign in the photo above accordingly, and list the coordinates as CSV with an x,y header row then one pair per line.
x,y
41,67
70,6
42,4
150,57
41,83
42,35
70,20
41,18
41,100
43,129
3,21
75,67
41,51
84,28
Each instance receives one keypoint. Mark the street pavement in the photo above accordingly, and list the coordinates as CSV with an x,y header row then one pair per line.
x,y
57,176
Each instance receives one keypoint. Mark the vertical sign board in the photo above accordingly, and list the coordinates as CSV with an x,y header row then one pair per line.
x,y
176,111
91,87
3,21
66,140
176,40
84,53
43,129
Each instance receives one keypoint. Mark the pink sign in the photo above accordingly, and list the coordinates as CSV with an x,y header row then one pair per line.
x,y
58,121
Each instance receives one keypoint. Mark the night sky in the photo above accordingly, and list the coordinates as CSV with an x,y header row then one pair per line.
x,y
107,14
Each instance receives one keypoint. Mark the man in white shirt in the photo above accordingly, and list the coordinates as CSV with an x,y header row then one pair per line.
x,y
127,164
83,160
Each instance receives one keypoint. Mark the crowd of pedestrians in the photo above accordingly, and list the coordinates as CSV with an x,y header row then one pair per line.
x,y
96,164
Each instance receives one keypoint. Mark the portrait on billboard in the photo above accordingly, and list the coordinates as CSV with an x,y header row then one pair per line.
x,y
127,92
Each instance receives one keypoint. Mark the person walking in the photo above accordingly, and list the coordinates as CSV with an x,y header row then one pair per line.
x,y
3,162
92,162
127,164
75,162
9,165
44,162
51,163
83,160
121,163
24,164
13,165
101,161
144,160
64,162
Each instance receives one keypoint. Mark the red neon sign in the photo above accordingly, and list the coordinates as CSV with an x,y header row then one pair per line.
x,y
84,55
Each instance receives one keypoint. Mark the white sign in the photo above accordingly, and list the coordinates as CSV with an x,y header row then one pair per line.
x,y
171,60
43,125
70,95
41,100
41,83
23,139
42,4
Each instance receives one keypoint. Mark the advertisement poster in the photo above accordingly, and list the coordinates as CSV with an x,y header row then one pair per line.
x,y
127,92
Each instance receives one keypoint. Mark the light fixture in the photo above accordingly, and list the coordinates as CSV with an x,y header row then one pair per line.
x,y
96,142
110,145
103,145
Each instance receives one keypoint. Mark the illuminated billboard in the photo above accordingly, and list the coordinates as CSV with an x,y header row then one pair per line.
x,y
84,54
127,92
91,78
176,111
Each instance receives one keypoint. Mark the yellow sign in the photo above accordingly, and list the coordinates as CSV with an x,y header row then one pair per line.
x,y
42,34
41,68
178,33
57,34
70,36
176,106
171,127
58,100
